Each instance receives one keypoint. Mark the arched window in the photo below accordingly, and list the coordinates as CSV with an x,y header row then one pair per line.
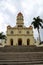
x,y
12,32
11,41
28,41
20,41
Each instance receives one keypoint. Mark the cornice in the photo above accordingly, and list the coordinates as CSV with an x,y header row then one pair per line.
x,y
19,35
19,28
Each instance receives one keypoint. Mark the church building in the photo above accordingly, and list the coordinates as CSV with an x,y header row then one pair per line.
x,y
20,34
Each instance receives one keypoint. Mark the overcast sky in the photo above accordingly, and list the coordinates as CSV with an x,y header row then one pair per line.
x,y
10,8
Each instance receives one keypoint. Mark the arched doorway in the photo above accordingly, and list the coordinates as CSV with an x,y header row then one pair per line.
x,y
28,41
11,41
20,41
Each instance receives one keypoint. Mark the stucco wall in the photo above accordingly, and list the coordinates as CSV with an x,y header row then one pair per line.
x,y
17,34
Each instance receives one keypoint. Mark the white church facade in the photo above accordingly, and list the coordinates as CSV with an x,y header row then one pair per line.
x,y
20,34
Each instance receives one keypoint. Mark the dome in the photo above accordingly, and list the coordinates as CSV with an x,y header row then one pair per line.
x,y
8,26
20,14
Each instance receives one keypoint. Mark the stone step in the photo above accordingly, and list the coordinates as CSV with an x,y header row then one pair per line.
x,y
21,49
21,54
26,56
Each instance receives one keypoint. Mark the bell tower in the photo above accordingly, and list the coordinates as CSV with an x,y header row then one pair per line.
x,y
20,20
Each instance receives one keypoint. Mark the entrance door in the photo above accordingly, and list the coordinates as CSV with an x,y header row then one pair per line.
x,y
11,42
19,41
28,41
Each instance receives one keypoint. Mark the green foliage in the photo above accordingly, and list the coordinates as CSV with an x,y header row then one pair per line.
x,y
2,36
37,22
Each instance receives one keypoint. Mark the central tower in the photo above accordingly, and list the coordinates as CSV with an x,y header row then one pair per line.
x,y
20,20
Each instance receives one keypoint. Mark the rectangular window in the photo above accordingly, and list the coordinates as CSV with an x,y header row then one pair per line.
x,y
19,25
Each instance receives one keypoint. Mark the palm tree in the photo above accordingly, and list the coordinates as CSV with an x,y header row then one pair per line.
x,y
37,23
2,36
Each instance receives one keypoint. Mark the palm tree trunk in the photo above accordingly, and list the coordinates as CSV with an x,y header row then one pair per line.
x,y
39,35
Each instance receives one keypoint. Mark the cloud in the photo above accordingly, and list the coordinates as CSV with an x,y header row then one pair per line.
x,y
32,8
1,18
7,10
10,8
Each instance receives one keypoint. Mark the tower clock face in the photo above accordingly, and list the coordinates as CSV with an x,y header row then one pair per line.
x,y
20,17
